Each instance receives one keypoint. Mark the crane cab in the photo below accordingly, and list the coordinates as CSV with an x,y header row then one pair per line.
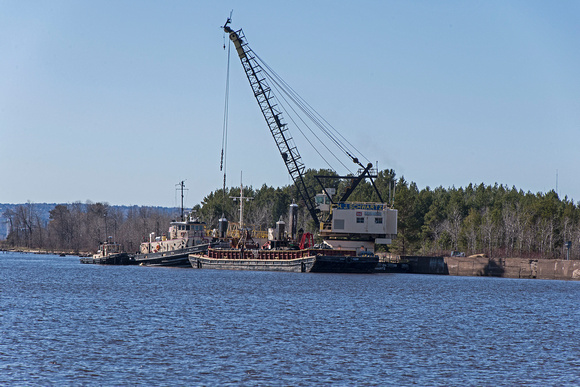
x,y
323,199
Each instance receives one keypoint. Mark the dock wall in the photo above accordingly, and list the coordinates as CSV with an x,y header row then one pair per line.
x,y
495,267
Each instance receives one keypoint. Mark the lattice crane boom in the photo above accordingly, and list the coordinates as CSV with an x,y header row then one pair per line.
x,y
273,117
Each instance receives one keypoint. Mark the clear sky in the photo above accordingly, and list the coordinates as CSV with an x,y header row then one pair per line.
x,y
118,101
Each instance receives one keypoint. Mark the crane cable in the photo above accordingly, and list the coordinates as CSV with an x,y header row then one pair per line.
x,y
283,92
337,138
284,88
291,118
223,160
319,121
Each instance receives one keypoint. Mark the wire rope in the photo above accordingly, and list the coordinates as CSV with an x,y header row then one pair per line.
x,y
223,160
334,135
290,117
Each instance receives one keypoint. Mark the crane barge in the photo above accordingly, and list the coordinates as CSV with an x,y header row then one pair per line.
x,y
350,230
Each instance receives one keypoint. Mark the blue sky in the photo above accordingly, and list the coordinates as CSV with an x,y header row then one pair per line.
x,y
118,101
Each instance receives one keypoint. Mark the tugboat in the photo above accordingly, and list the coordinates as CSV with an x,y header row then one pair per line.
x,y
185,237
109,253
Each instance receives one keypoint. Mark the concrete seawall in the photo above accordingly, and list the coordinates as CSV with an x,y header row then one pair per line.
x,y
495,267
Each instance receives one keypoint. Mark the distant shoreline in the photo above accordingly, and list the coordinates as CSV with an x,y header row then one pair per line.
x,y
47,252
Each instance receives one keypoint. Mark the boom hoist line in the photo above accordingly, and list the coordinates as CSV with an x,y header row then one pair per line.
x,y
283,139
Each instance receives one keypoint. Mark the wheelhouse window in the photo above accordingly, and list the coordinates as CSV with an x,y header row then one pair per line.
x,y
360,220
378,220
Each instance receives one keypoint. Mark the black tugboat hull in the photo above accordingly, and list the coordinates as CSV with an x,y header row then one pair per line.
x,y
113,259
173,258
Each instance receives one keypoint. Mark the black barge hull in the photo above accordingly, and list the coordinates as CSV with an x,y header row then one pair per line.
x,y
344,264
310,264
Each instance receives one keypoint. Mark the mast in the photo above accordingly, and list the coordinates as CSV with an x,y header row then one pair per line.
x,y
273,117
181,185
241,199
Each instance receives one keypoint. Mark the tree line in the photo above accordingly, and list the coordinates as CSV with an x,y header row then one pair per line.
x,y
494,220
479,219
81,227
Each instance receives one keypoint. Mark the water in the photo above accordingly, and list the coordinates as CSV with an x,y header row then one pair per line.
x,y
64,323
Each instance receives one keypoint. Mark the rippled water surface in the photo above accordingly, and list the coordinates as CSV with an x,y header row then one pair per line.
x,y
62,322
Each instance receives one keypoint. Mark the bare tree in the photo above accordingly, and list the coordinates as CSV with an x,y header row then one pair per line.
x,y
453,226
489,231
511,227
471,229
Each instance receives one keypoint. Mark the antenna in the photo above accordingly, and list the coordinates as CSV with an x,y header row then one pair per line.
x,y
181,185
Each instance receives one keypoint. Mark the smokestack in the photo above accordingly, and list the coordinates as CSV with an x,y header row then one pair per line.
x,y
293,220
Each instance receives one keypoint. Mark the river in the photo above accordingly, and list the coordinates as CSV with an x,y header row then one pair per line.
x,y
64,323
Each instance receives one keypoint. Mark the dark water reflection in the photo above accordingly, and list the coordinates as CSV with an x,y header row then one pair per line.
x,y
66,323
